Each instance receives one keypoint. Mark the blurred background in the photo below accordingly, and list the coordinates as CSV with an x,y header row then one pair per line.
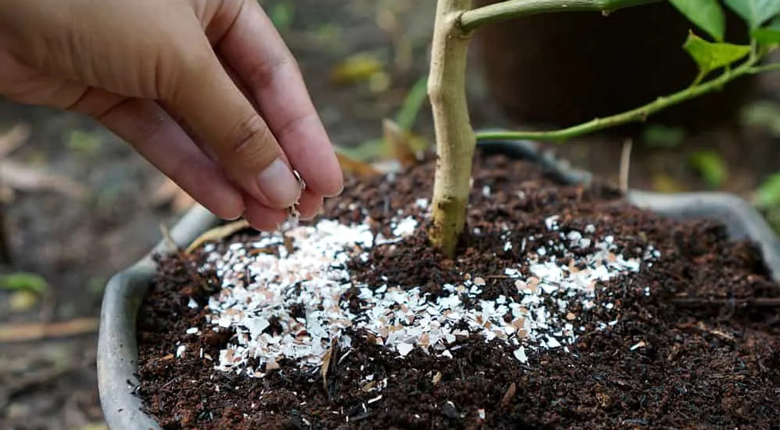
x,y
78,204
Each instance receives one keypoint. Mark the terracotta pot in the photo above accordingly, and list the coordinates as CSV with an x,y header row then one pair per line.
x,y
566,68
117,347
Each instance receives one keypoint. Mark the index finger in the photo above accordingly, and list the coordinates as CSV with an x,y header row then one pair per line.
x,y
256,51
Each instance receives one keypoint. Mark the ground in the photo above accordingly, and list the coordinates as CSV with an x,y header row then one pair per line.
x,y
76,239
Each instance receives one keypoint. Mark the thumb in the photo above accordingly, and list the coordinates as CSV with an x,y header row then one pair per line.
x,y
216,110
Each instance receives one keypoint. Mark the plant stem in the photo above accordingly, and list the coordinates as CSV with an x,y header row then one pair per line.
x,y
765,68
639,114
455,140
472,19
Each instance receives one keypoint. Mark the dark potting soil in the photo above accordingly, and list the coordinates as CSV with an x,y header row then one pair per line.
x,y
698,351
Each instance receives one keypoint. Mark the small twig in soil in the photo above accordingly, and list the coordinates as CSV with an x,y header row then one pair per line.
x,y
17,333
217,233
625,164
510,393
702,327
167,238
326,362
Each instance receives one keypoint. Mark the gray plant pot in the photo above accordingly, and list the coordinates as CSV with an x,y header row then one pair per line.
x,y
117,347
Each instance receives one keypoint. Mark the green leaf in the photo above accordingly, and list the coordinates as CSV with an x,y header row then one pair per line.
x,y
414,100
710,165
23,282
706,14
84,142
768,35
754,12
761,114
712,56
768,193
662,136
282,14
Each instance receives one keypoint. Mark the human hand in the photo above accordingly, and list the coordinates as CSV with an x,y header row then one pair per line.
x,y
206,90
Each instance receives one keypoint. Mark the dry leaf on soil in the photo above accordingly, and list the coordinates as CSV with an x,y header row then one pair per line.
x,y
13,139
399,142
28,332
351,165
22,177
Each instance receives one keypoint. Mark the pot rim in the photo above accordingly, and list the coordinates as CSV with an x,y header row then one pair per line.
x,y
117,346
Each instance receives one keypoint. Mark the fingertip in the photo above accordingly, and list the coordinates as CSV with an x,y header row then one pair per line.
x,y
263,218
327,180
309,205
228,204
279,185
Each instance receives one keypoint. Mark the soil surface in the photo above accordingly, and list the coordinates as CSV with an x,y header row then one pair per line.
x,y
679,343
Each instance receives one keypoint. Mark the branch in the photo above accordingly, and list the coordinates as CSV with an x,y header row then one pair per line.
x,y
766,68
638,114
475,18
455,141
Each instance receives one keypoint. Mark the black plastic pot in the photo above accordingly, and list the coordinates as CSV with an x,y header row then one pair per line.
x,y
117,347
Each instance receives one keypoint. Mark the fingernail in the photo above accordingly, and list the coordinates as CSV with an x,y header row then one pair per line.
x,y
279,184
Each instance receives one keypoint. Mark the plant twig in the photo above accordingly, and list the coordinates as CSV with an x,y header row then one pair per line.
x,y
639,114
15,333
764,68
217,233
502,11
455,141
625,165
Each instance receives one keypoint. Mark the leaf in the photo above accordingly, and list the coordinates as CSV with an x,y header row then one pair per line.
x,y
768,35
414,100
359,67
768,193
664,183
23,282
366,151
399,143
710,165
282,14
712,56
763,114
22,301
27,178
84,142
662,136
706,14
351,165
754,12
